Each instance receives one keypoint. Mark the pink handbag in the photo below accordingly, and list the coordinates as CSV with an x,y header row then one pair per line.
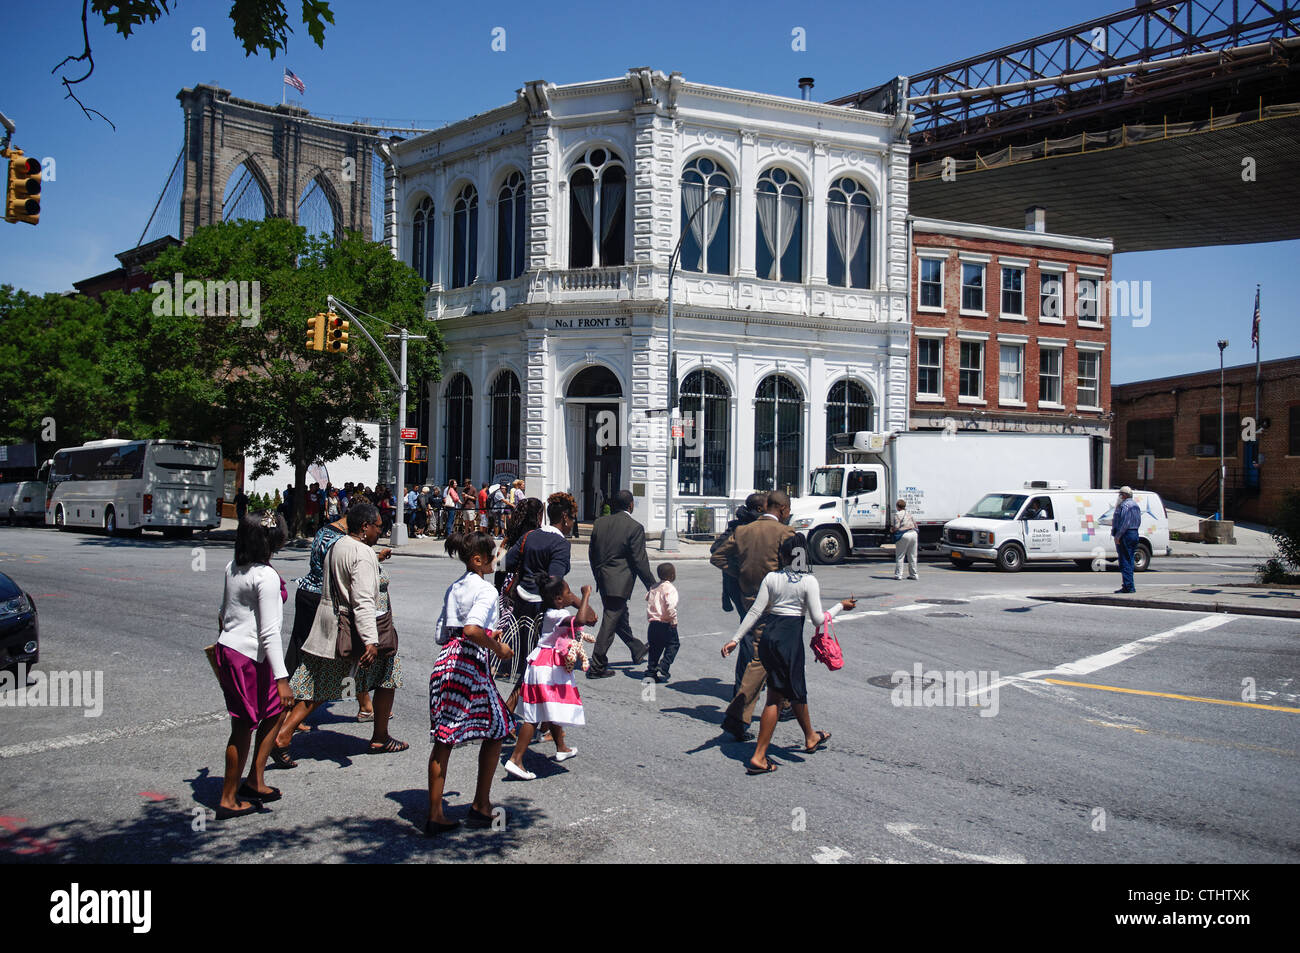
x,y
826,648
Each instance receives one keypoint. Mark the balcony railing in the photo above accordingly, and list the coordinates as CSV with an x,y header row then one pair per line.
x,y
648,283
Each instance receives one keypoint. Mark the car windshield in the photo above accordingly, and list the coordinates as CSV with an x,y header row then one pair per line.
x,y
827,482
998,506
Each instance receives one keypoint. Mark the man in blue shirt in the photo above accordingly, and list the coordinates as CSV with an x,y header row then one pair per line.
x,y
1124,527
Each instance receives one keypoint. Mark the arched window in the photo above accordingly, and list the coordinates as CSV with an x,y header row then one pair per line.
x,y
598,193
848,410
511,227
504,444
780,226
464,238
848,235
706,425
778,440
711,228
422,240
458,430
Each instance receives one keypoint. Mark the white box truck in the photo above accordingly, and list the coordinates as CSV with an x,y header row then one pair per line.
x,y
939,473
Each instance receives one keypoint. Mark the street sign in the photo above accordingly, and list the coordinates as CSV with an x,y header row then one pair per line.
x,y
677,432
410,433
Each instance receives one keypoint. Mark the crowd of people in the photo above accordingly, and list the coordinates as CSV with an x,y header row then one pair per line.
x,y
511,616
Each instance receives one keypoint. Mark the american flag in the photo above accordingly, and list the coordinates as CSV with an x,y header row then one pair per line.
x,y
1254,328
291,80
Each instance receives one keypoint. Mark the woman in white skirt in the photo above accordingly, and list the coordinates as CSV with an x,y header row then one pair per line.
x,y
905,542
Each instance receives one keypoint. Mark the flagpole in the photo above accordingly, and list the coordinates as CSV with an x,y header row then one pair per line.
x,y
282,85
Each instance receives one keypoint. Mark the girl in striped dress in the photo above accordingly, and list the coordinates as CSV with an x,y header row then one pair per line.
x,y
464,705
549,692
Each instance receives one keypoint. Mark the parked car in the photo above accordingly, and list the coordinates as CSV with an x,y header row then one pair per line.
x,y
1045,521
23,502
20,639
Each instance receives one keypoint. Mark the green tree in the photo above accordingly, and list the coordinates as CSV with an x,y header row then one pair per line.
x,y
250,378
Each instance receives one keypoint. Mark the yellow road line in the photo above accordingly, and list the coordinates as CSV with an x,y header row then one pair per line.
x,y
1184,698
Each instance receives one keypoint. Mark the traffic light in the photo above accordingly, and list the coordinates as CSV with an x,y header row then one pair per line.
x,y
338,334
23,198
316,333
417,453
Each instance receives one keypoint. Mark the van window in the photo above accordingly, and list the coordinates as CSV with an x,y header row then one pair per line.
x,y
998,506
1039,508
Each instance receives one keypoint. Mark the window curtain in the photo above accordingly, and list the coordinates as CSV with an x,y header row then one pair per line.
x,y
767,204
693,198
791,208
584,195
611,200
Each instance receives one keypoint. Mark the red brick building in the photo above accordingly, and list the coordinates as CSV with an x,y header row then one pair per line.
x,y
1011,331
1177,420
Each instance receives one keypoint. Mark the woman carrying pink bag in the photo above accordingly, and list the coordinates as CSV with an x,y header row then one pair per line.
x,y
784,597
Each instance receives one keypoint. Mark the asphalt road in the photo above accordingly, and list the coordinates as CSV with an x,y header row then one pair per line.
x,y
1149,753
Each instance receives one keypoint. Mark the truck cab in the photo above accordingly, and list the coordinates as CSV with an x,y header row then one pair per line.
x,y
846,509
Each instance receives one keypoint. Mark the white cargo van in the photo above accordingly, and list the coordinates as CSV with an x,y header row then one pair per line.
x,y
1046,521
23,502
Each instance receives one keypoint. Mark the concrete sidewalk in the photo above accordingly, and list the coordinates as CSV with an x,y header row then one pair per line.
x,y
1247,599
433,548
1252,539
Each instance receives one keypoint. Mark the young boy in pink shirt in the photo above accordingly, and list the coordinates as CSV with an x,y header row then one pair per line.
x,y
662,611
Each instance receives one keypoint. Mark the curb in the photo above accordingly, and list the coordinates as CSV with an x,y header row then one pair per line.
x,y
1228,608
653,556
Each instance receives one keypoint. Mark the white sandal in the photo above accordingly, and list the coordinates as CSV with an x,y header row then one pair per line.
x,y
520,773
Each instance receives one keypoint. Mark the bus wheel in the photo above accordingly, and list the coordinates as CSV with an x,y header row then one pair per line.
x,y
59,521
110,522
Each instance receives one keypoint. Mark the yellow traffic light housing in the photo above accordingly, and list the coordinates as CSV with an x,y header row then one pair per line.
x,y
22,198
417,453
316,333
338,334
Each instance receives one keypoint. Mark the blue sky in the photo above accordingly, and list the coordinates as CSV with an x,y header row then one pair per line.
x,y
416,61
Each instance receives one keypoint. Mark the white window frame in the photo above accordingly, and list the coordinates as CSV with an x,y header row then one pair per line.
x,y
982,345
1006,266
982,312
1055,273
1095,276
1058,349
942,260
1094,352
939,338
1019,399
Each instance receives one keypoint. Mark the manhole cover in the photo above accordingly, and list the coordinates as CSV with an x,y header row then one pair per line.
x,y
888,682
943,602
947,615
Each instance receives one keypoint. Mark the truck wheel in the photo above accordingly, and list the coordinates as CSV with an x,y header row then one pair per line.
x,y
1142,558
828,547
1011,558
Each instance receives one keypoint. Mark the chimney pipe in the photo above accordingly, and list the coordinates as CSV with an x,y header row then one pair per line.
x,y
1036,219
805,87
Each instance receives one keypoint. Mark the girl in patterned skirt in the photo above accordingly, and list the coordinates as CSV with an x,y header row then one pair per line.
x,y
550,694
464,704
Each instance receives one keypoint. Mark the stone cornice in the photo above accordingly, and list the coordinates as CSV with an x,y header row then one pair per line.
x,y
1019,236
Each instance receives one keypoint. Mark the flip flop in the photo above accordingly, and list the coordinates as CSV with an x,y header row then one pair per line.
x,y
365,716
281,757
751,768
822,738
391,746
225,813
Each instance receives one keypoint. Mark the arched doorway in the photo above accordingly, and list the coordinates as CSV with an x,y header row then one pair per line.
x,y
594,431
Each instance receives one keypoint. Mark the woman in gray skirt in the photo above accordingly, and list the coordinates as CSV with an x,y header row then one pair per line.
x,y
783,598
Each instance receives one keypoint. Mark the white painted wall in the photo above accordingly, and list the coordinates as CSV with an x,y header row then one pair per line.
x,y
342,470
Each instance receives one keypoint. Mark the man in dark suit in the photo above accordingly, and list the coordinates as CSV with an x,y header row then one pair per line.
x,y
618,559
754,547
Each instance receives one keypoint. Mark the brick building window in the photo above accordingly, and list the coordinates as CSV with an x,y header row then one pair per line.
x,y
1049,295
1210,434
971,378
1154,435
1013,291
1088,307
972,287
1049,375
1089,363
931,291
1011,372
929,367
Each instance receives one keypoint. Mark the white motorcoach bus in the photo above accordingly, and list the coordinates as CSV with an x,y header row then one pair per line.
x,y
123,486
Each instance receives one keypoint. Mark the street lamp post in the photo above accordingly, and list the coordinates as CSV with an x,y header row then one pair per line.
x,y
1222,347
668,541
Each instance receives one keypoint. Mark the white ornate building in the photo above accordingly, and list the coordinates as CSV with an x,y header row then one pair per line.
x,y
545,229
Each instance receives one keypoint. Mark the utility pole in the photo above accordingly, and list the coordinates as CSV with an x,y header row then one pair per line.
x,y
1222,346
398,533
